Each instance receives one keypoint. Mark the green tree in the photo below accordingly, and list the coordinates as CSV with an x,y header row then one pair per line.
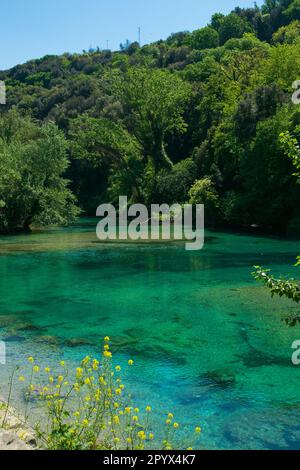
x,y
233,26
109,145
155,101
287,34
174,184
282,287
204,192
33,160
293,11
204,38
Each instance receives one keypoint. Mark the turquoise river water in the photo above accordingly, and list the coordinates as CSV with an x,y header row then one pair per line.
x,y
207,340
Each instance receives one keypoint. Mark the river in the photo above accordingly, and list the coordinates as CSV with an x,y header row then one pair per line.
x,y
207,340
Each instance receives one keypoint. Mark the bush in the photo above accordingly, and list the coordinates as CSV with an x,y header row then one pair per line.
x,y
204,192
173,185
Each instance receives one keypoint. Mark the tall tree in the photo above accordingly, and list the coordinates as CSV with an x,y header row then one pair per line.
x,y
154,101
33,160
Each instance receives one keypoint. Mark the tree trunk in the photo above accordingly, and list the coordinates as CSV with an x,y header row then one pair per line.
x,y
159,154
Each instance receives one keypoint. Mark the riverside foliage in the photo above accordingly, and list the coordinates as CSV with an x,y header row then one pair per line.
x,y
155,122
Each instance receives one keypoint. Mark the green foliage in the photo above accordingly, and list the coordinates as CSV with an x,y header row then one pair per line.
x,y
282,66
109,145
247,42
291,148
174,184
267,174
149,121
204,38
155,102
293,11
88,408
204,192
287,34
32,162
280,287
233,26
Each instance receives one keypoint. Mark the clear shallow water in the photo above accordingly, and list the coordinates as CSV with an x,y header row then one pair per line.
x,y
207,340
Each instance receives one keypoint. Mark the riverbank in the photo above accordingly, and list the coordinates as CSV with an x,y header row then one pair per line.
x,y
14,432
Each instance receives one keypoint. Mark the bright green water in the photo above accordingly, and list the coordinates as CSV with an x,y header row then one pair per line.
x,y
207,340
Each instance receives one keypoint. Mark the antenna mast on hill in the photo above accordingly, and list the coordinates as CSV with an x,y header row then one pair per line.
x,y
139,33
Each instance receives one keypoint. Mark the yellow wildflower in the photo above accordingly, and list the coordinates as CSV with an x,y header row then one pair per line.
x,y
116,420
85,423
22,379
176,425
30,359
107,354
148,409
118,368
130,362
86,360
198,430
142,435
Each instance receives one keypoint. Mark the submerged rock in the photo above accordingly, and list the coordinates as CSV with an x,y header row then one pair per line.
x,y
27,327
8,320
53,340
76,342
14,339
220,378
123,343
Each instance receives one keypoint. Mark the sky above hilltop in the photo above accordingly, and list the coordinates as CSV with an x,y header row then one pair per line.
x,y
33,28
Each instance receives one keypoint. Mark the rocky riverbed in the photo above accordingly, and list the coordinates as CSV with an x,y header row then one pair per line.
x,y
14,433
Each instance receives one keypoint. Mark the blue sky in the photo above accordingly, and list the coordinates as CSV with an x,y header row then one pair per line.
x,y
33,28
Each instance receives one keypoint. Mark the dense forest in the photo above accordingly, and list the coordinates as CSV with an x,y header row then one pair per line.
x,y
194,118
